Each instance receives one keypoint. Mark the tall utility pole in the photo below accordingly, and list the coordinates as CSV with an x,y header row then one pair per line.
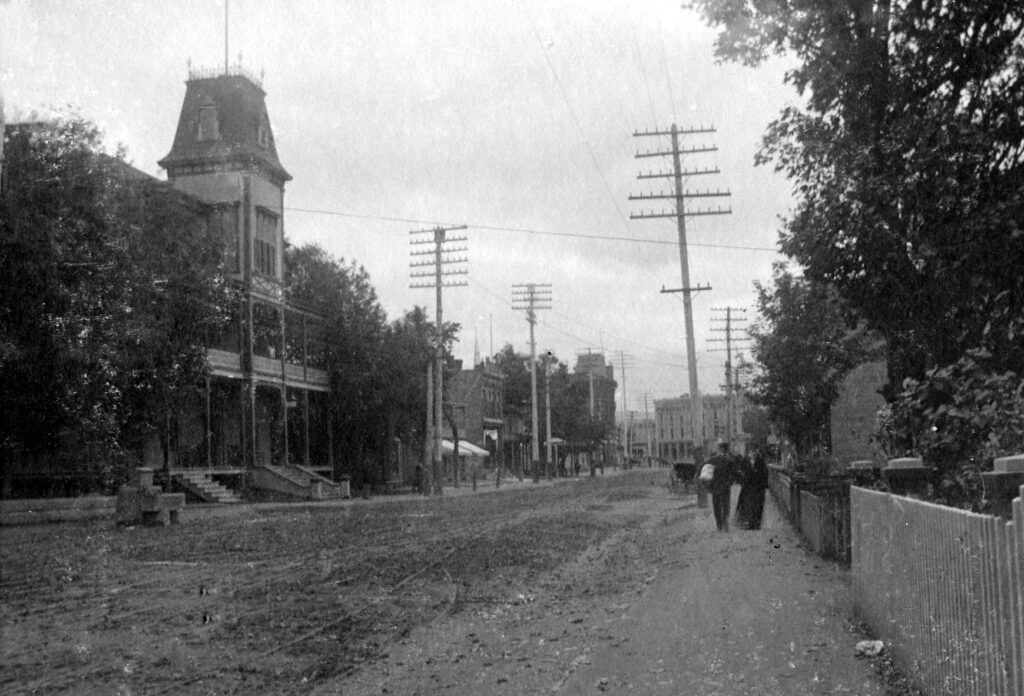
x,y
547,416
625,360
680,197
437,271
729,321
648,427
531,297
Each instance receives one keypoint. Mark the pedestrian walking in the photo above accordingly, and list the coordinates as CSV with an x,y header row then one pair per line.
x,y
753,483
721,484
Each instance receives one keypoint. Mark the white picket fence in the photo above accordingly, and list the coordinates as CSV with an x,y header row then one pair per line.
x,y
944,588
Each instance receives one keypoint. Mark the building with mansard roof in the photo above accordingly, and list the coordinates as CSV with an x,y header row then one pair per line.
x,y
265,419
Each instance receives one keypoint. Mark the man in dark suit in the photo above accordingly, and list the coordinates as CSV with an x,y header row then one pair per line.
x,y
721,484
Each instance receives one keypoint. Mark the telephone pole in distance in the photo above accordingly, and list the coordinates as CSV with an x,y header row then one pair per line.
x,y
531,297
436,269
730,320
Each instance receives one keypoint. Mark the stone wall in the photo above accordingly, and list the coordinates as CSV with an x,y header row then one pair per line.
x,y
853,414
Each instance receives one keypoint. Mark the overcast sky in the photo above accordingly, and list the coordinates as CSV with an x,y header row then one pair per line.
x,y
514,117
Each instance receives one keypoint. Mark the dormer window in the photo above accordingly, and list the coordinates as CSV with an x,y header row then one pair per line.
x,y
263,134
208,126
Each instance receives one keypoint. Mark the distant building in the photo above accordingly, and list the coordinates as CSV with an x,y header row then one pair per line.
x,y
642,433
601,385
476,397
674,428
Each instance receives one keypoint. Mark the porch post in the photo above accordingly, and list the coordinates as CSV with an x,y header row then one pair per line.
x,y
209,444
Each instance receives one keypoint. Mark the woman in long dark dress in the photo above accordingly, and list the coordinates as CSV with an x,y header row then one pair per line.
x,y
750,506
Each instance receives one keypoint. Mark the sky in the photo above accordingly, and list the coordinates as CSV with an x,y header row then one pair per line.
x,y
515,118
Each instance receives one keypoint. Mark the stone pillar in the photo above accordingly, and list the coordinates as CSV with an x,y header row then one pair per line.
x,y
907,476
142,477
865,472
1003,483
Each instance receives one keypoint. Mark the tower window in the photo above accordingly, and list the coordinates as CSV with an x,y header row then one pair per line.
x,y
263,134
208,127
265,247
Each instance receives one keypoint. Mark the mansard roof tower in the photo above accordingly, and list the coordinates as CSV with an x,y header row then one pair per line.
x,y
224,153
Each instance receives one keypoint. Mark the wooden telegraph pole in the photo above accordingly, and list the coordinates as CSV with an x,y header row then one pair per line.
x,y
437,272
730,322
680,197
531,297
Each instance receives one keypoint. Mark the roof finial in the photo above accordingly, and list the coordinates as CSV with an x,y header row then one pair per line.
x,y
226,37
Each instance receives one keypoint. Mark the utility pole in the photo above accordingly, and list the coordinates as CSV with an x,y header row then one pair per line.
x,y
623,359
531,297
547,416
648,426
437,272
680,197
729,321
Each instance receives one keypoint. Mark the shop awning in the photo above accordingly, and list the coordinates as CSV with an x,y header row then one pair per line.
x,y
465,448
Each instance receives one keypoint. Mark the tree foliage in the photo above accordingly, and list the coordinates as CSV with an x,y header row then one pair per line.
x,y
110,284
377,369
804,345
515,368
570,397
352,337
907,159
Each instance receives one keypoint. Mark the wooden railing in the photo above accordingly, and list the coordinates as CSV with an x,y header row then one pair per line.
x,y
231,363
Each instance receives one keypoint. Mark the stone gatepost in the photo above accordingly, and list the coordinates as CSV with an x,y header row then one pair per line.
x,y
865,472
1002,484
907,476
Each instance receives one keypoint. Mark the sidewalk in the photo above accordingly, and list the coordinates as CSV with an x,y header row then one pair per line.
x,y
743,612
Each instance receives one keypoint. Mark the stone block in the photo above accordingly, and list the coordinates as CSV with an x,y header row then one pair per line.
x,y
905,463
1012,464
865,464
1001,487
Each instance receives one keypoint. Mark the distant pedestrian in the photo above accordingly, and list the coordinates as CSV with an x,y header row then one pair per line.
x,y
721,484
754,482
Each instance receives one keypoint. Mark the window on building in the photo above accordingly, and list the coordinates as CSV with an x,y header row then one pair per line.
x,y
265,247
263,134
208,125
224,226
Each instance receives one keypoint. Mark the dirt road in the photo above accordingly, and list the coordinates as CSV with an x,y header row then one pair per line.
x,y
667,605
609,585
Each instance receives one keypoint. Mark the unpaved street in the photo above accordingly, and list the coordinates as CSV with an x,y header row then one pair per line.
x,y
607,585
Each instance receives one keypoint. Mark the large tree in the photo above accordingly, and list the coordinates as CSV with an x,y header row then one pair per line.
x,y
804,343
111,283
352,335
377,370
906,159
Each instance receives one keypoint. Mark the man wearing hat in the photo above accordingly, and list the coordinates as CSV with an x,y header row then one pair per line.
x,y
721,484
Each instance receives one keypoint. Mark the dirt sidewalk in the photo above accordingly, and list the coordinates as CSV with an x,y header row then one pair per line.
x,y
668,606
744,612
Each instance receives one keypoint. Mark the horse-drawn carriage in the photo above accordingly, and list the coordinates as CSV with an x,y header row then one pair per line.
x,y
681,477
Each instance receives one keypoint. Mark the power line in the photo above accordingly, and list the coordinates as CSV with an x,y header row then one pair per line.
x,y
572,112
527,230
643,69
590,327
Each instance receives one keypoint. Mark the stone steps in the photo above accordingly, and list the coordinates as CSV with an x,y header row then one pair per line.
x,y
206,488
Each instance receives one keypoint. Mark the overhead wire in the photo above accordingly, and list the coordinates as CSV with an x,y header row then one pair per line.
x,y
584,341
526,230
576,121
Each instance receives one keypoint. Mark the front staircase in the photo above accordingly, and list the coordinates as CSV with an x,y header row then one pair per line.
x,y
205,488
299,482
